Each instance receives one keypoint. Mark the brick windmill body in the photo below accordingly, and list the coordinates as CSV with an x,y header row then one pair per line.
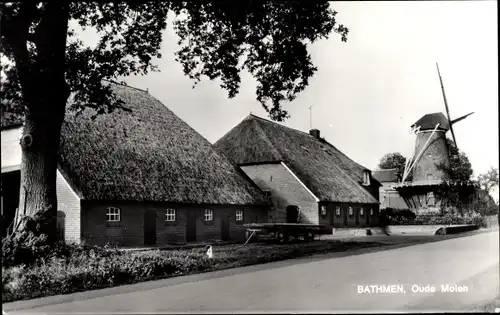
x,y
431,151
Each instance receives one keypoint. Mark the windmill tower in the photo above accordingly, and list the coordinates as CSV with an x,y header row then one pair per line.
x,y
431,148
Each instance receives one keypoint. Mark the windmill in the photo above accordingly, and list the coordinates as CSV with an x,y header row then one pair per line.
x,y
431,148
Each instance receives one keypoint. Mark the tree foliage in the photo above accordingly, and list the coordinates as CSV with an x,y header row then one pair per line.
x,y
394,160
45,64
217,40
458,186
489,180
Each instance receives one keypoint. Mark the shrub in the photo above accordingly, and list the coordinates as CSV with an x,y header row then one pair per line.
x,y
450,219
399,217
30,244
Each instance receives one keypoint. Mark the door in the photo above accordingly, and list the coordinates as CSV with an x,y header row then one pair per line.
x,y
368,214
292,214
344,214
61,218
191,227
224,228
357,214
149,227
331,215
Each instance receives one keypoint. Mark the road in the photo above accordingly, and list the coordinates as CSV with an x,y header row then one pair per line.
x,y
321,285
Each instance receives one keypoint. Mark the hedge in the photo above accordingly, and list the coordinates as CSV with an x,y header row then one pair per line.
x,y
407,217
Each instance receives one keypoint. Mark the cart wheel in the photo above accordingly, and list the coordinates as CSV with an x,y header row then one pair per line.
x,y
309,237
281,237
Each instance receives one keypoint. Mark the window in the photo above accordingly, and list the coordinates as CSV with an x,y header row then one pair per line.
x,y
366,178
371,211
361,211
337,211
113,214
209,215
323,210
431,201
350,211
239,215
170,215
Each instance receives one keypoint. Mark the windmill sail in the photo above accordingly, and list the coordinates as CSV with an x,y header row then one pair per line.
x,y
460,118
446,106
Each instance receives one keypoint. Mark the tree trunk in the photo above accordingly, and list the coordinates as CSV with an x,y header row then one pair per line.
x,y
45,91
40,146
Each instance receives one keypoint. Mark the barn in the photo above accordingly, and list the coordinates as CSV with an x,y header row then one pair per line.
x,y
140,177
309,180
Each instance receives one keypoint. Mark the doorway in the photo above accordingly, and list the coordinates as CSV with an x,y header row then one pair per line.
x,y
149,227
61,218
191,226
331,216
224,228
344,215
292,214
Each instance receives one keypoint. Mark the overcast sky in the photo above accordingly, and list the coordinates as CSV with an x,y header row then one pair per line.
x,y
369,91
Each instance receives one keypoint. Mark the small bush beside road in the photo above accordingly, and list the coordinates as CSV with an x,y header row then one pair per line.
x,y
449,219
407,217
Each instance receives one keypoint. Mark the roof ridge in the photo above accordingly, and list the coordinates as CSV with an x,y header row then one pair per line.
x,y
276,123
126,85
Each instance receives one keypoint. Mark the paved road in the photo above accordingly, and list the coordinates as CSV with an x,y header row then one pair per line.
x,y
324,285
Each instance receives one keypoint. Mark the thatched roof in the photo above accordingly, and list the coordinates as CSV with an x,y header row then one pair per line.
x,y
148,154
429,122
327,172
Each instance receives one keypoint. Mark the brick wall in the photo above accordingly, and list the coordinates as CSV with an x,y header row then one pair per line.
x,y
332,219
285,190
130,231
68,204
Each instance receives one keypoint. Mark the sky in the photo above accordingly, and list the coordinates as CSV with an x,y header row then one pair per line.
x,y
368,91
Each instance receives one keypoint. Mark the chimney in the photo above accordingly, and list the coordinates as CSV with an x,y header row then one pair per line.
x,y
314,133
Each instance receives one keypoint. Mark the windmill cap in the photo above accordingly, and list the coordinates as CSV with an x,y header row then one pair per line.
x,y
429,122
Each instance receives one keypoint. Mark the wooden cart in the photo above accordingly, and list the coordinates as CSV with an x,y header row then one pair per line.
x,y
282,232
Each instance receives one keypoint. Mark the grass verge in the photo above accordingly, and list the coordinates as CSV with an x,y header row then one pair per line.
x,y
92,268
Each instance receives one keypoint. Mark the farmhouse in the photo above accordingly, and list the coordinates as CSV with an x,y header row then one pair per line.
x,y
140,177
309,180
